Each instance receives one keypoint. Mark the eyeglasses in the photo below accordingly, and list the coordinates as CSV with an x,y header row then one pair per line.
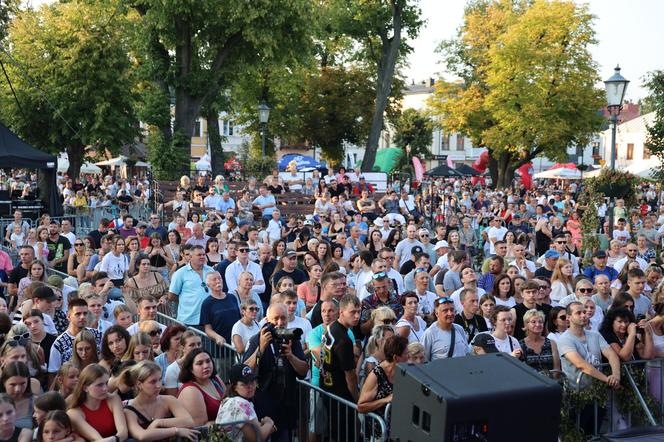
x,y
205,287
243,250
253,309
424,235
154,333
585,289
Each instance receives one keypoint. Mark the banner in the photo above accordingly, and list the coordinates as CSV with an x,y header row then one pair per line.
x,y
419,169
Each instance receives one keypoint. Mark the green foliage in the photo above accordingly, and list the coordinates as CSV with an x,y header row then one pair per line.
x,y
655,138
528,81
590,200
73,78
168,161
252,161
413,134
7,10
616,183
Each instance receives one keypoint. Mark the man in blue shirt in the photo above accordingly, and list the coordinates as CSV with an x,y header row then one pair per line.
x,y
226,202
156,227
219,312
265,202
189,289
599,267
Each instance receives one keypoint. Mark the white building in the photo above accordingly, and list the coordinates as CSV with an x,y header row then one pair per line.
x,y
630,142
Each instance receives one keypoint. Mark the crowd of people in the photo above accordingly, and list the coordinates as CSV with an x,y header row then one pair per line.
x,y
370,280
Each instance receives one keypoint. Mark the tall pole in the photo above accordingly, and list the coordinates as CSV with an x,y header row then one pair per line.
x,y
614,122
263,137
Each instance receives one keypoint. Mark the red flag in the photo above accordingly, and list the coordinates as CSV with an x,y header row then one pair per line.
x,y
450,163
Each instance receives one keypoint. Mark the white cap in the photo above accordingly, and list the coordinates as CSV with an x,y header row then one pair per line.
x,y
440,245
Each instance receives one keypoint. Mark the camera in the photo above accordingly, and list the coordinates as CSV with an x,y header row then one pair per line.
x,y
282,336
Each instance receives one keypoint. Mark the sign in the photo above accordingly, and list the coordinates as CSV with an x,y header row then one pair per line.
x,y
439,157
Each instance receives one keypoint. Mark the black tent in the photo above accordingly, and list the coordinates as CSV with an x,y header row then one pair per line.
x,y
16,153
466,170
442,171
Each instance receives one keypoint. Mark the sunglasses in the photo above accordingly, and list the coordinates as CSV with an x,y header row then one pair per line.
x,y
24,336
585,290
444,300
562,318
379,275
15,343
389,321
253,309
205,287
420,270
561,242
154,333
78,244
243,250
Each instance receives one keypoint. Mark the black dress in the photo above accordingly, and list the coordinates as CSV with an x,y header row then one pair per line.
x,y
542,361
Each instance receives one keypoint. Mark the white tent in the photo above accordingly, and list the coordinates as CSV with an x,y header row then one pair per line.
x,y
560,173
87,167
643,169
120,161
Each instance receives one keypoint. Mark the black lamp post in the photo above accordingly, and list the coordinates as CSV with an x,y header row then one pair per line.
x,y
263,117
615,93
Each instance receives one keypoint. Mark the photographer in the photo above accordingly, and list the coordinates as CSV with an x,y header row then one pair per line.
x,y
277,362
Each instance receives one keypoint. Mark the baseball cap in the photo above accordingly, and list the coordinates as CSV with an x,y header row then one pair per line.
x,y
486,342
243,223
290,253
416,249
142,225
551,254
241,373
516,215
55,281
441,244
44,292
600,254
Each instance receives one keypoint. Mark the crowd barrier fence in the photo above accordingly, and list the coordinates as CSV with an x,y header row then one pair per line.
x,y
636,402
206,430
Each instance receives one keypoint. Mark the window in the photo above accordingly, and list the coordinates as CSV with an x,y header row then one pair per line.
x,y
646,153
459,142
630,151
228,128
596,149
196,132
445,142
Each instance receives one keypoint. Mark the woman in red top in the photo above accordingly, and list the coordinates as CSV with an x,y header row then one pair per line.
x,y
95,414
202,391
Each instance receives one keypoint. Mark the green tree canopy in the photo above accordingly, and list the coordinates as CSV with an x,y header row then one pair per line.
x,y
413,132
655,132
528,81
70,69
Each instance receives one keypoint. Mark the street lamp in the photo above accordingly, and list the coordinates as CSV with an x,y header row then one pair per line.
x,y
615,93
263,117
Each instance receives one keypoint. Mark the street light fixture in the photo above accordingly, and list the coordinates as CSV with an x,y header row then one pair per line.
x,y
615,93
263,117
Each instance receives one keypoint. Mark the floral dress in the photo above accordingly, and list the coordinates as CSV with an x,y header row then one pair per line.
x,y
234,409
383,389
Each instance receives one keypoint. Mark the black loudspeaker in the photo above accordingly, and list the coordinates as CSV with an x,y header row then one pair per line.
x,y
647,434
493,397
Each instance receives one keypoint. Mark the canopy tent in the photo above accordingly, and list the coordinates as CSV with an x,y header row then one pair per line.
x,y
466,170
643,169
16,153
387,159
567,171
63,165
442,171
121,161
302,162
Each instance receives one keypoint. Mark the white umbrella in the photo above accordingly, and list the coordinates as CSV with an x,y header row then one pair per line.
x,y
113,162
87,167
561,173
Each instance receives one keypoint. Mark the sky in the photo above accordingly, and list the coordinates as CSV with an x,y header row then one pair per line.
x,y
629,33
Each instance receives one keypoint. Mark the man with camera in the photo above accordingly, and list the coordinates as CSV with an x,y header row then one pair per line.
x,y
276,355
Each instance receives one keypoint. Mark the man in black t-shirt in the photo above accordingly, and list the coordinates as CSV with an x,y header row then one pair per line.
x,y
58,248
26,255
468,318
289,262
337,374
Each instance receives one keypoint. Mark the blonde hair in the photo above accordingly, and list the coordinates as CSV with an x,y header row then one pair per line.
x,y
414,349
139,373
62,372
382,313
530,314
378,336
139,338
146,326
119,309
84,336
84,290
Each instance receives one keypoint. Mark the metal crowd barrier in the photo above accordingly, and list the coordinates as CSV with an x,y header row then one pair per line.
x,y
225,356
607,417
205,430
325,417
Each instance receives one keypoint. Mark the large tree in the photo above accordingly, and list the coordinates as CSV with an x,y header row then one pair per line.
x,y
655,132
193,50
527,81
72,77
382,29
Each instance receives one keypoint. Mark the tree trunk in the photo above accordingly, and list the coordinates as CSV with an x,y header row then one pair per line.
x,y
75,154
386,66
501,169
214,136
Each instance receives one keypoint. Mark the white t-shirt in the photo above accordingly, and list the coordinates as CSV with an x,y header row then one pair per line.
x,y
245,332
133,328
456,297
503,345
498,233
414,335
304,325
114,266
172,375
